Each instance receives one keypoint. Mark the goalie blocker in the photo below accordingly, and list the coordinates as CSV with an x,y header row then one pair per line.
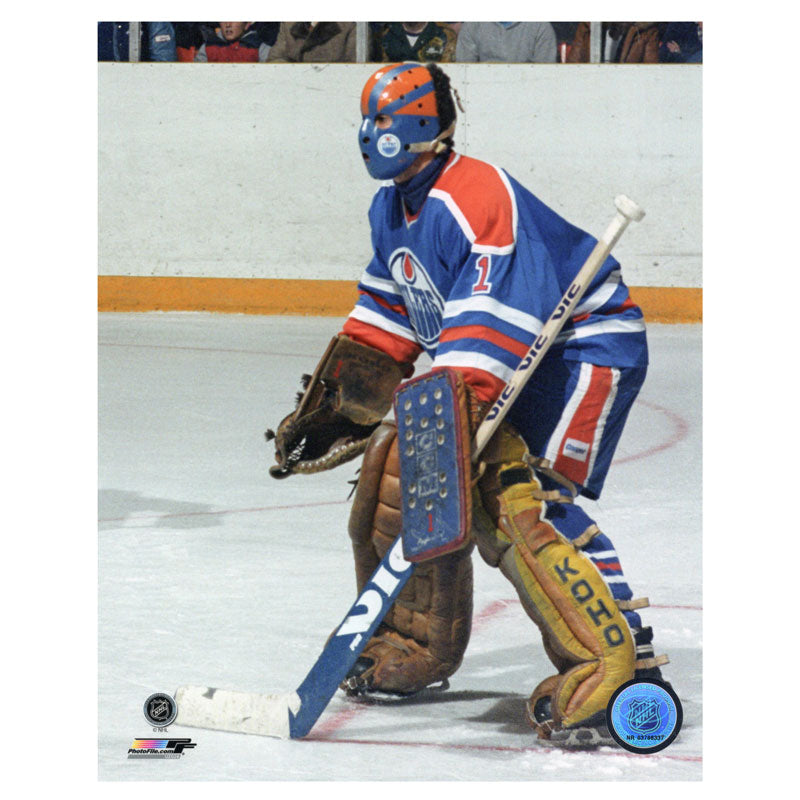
x,y
433,433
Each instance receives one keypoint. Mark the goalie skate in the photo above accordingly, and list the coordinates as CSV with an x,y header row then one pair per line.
x,y
368,695
590,734
577,738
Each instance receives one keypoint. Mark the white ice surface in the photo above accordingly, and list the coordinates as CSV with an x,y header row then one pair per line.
x,y
211,572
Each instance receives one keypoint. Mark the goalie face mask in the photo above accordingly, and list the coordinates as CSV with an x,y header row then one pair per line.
x,y
400,119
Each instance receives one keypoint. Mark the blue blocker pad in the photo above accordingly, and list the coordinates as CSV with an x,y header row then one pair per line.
x,y
434,467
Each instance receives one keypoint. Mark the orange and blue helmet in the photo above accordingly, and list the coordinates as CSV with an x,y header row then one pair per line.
x,y
404,95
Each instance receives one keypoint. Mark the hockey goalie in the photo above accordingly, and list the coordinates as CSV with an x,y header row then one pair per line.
x,y
467,265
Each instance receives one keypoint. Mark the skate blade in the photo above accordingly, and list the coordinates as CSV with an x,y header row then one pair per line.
x,y
577,738
369,696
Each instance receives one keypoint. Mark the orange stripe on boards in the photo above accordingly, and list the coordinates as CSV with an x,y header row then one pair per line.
x,y
315,297
231,295
669,303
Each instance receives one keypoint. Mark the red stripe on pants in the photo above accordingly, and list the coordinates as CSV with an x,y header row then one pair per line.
x,y
583,425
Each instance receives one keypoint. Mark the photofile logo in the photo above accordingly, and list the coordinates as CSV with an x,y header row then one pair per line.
x,y
160,710
159,748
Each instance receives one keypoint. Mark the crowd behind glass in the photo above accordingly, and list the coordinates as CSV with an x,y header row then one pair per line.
x,y
493,42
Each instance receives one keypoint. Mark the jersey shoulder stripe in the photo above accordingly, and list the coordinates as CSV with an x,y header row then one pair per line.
x,y
397,308
398,347
482,201
381,318
383,285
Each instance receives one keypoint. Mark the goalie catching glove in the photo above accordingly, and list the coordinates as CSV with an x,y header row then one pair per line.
x,y
342,403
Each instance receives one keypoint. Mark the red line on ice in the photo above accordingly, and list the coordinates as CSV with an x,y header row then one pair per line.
x,y
328,726
341,718
492,610
223,511
324,729
499,748
205,349
515,601
678,435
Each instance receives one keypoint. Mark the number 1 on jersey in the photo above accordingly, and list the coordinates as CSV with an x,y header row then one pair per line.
x,y
483,265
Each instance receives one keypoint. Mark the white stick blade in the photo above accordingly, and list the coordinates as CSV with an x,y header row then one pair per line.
x,y
628,208
239,712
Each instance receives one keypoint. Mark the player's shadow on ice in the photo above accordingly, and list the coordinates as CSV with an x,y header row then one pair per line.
x,y
118,508
430,696
507,714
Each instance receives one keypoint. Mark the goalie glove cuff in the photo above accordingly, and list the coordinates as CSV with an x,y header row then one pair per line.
x,y
341,405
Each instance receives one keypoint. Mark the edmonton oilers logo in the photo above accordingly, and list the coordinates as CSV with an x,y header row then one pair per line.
x,y
388,145
409,273
644,716
423,302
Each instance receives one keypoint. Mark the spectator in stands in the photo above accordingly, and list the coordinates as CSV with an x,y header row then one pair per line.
x,y
682,42
268,31
375,30
510,42
565,34
161,41
233,42
640,44
190,36
156,43
623,43
416,41
612,34
315,41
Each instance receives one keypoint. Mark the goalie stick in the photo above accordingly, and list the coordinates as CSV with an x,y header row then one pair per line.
x,y
293,714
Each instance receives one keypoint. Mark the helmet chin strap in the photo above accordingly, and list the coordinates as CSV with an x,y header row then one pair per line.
x,y
435,145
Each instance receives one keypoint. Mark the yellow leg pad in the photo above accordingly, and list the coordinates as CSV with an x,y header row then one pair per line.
x,y
584,631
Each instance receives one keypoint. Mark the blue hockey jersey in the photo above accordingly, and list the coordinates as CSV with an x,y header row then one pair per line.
x,y
475,274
